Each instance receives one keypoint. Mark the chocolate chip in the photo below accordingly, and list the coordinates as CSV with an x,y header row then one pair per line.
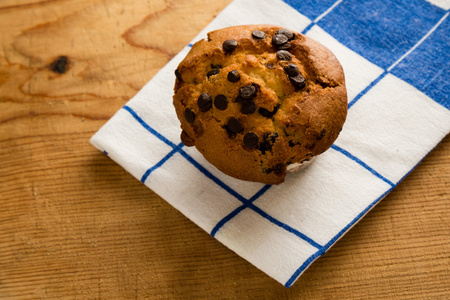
x,y
221,102
178,75
229,45
285,46
269,66
279,39
239,99
289,34
268,141
266,113
298,81
248,107
284,55
291,70
278,169
189,115
212,72
234,125
291,144
60,65
251,140
204,101
186,139
234,76
257,87
230,133
263,147
247,91
258,34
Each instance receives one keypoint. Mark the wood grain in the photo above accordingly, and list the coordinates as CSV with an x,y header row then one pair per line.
x,y
75,225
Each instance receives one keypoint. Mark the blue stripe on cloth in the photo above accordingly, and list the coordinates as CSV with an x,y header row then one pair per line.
x,y
285,226
307,28
363,164
160,163
430,77
209,175
259,193
381,31
325,248
311,8
227,218
435,54
239,209
326,12
146,126
305,264
247,203
184,154
428,66
355,220
366,89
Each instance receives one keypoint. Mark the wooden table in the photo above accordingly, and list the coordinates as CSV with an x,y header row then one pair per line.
x,y
75,225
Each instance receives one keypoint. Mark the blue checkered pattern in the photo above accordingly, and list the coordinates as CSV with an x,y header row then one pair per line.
x,y
405,45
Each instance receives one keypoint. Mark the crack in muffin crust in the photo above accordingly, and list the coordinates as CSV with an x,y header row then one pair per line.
x,y
254,99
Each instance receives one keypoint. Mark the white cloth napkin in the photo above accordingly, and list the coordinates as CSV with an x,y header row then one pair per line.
x,y
395,55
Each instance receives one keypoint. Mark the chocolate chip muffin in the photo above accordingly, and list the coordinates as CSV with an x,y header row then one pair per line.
x,y
255,99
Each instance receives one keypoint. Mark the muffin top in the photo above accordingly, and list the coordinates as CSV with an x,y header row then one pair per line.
x,y
254,99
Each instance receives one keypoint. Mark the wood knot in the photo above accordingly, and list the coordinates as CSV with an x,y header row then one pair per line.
x,y
60,65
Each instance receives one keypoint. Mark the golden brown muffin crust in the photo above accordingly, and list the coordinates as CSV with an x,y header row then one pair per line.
x,y
282,122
